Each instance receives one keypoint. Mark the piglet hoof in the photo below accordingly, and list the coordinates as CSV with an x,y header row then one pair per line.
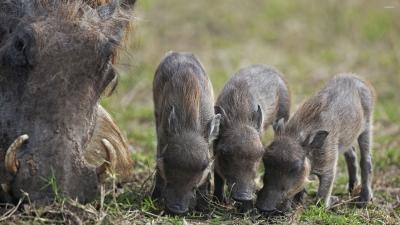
x,y
363,199
362,202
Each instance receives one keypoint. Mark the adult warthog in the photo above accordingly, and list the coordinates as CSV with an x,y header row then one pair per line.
x,y
55,62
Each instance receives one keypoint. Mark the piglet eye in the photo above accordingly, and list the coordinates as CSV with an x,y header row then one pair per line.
x,y
297,166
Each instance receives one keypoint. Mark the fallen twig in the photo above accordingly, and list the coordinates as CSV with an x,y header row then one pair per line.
x,y
344,202
10,212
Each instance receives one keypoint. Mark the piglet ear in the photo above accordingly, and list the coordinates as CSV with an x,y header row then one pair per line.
x,y
172,121
316,140
219,110
258,118
224,117
279,126
213,128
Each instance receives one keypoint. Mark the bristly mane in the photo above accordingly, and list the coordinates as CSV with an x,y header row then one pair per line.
x,y
94,15
78,12
309,111
239,100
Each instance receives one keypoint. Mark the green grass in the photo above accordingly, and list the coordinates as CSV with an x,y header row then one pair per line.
x,y
319,215
309,41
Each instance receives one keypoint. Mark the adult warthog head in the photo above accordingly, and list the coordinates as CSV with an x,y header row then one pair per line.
x,y
55,62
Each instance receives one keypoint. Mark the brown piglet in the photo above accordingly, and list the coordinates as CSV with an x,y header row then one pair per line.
x,y
310,142
254,98
186,125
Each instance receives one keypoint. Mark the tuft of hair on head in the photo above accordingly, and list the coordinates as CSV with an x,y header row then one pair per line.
x,y
187,108
126,14
191,95
91,12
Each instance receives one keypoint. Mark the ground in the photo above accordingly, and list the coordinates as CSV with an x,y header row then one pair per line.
x,y
308,41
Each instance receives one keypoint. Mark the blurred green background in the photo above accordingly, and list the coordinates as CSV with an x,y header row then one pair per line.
x,y
308,41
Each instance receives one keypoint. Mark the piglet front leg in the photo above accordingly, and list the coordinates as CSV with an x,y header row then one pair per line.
x,y
326,180
219,184
202,194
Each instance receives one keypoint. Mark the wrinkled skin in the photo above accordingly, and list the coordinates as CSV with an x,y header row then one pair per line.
x,y
253,99
186,125
324,126
53,70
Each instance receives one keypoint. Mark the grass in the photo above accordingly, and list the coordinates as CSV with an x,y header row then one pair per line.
x,y
51,182
309,41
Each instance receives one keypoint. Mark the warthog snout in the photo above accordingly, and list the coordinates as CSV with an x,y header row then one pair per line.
x,y
271,202
178,202
241,192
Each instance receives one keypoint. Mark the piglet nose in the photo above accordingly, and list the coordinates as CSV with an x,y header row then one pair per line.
x,y
269,211
263,208
177,209
242,196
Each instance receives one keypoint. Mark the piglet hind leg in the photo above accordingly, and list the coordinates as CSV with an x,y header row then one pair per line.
x,y
364,141
351,161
